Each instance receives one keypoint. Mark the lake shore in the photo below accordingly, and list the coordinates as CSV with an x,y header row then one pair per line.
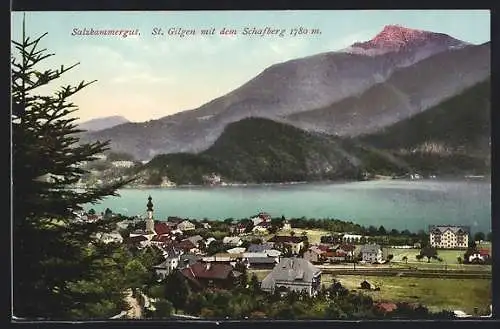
x,y
399,204
478,178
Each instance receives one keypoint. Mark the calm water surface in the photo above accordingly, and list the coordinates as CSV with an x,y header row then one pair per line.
x,y
396,204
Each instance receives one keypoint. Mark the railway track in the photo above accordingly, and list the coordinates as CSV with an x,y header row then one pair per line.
x,y
411,273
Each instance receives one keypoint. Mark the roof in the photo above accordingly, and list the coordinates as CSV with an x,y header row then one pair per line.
x,y
264,215
171,252
338,253
195,239
237,250
484,252
386,307
259,247
162,228
227,255
348,235
136,239
287,239
186,222
188,259
324,247
452,228
162,238
231,239
316,250
262,260
186,245
273,253
347,247
201,270
370,248
254,254
290,270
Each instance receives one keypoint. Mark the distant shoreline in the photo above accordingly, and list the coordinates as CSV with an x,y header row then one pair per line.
x,y
478,178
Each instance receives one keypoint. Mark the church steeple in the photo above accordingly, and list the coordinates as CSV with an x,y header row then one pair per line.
x,y
150,204
150,224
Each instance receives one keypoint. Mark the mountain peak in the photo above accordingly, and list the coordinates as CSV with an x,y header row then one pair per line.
x,y
397,37
399,33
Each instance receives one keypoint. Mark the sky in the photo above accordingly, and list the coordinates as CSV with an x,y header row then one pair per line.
x,y
146,76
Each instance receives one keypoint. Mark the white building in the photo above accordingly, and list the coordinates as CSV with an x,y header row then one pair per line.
x,y
449,236
232,241
172,260
287,226
372,253
351,238
186,226
295,274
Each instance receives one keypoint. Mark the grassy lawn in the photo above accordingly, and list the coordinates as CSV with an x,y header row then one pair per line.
x,y
313,235
450,259
448,256
435,293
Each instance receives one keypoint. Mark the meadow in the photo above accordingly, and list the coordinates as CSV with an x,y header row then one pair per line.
x,y
435,293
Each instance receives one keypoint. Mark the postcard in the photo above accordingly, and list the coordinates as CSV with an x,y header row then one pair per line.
x,y
251,165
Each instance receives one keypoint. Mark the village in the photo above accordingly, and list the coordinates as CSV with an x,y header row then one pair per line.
x,y
283,258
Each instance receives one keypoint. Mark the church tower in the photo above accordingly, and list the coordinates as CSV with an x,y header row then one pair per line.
x,y
150,224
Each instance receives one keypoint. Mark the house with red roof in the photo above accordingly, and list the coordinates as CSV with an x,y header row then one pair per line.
x,y
315,255
261,217
138,241
296,243
385,307
161,228
479,256
187,246
160,240
203,275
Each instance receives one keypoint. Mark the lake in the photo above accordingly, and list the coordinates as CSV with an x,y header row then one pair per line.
x,y
398,204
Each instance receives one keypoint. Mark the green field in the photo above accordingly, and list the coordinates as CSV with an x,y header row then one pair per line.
x,y
435,293
449,257
313,235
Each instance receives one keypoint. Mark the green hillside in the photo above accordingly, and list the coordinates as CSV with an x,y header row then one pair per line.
x,y
462,123
260,150
450,138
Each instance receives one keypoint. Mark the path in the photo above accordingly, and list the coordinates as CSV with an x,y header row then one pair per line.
x,y
135,311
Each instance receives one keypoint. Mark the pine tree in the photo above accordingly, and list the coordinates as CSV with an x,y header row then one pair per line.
x,y
57,272
176,290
